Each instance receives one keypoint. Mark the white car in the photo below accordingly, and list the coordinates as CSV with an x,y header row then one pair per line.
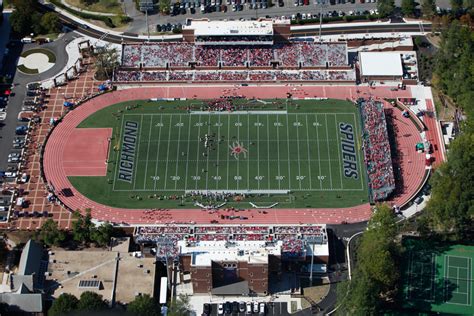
x,y
255,307
11,155
262,309
13,159
220,309
10,174
24,178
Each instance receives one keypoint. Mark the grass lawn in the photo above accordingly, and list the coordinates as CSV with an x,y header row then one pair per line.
x,y
266,152
104,6
47,52
26,70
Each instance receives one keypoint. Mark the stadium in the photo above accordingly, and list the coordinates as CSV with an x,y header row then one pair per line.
x,y
238,140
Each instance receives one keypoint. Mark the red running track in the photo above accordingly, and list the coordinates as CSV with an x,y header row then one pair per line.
x,y
55,172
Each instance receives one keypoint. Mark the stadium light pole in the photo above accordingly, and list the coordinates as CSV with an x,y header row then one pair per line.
x,y
312,263
321,18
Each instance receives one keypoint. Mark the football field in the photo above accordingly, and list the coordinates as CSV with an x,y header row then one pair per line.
x,y
265,150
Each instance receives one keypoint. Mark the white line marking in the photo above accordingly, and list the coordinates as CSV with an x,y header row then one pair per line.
x,y
168,151
329,154
147,153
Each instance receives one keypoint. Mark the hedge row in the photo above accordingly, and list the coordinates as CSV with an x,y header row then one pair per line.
x,y
346,18
47,52
106,19
27,71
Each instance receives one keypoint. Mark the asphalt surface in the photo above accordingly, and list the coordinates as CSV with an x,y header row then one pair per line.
x,y
271,309
15,103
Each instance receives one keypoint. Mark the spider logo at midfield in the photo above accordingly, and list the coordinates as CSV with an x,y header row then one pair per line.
x,y
237,149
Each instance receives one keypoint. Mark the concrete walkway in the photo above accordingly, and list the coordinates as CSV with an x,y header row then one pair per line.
x,y
85,11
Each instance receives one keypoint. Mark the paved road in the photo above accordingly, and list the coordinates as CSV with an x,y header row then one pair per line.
x,y
7,131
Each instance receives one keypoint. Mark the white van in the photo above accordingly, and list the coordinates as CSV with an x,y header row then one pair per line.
x,y
27,40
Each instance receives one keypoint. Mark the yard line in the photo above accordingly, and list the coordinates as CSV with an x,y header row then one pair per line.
x,y
238,139
278,150
339,150
228,144
177,152
309,156
120,147
187,155
217,144
208,152
157,153
147,153
319,153
288,141
168,152
360,162
329,153
298,149
197,153
258,152
268,152
138,153
248,153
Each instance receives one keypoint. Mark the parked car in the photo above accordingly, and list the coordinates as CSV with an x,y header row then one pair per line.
x,y
13,159
255,307
220,309
24,178
227,308
241,307
207,309
261,309
10,174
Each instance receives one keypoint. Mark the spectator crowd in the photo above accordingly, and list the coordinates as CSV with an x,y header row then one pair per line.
x,y
377,150
179,54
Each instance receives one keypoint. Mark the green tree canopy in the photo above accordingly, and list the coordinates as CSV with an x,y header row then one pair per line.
x,y
180,306
50,23
454,70
107,59
408,7
376,273
144,305
101,235
451,207
65,304
385,7
91,301
428,8
50,234
25,18
82,227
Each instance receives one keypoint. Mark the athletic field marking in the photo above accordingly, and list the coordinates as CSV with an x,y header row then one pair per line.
x,y
138,153
147,154
450,278
339,150
119,150
329,153
265,162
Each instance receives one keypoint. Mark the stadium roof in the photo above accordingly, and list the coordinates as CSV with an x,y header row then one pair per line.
x,y
204,252
381,64
230,28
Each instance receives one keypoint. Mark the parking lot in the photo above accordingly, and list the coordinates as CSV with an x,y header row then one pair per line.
x,y
272,309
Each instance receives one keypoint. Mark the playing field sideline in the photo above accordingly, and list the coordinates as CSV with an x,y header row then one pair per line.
x,y
438,278
271,148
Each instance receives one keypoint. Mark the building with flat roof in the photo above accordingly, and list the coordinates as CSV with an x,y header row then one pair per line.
x,y
380,66
234,259
258,32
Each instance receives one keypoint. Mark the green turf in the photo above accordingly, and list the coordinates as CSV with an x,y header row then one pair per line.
x,y
296,149
47,52
438,278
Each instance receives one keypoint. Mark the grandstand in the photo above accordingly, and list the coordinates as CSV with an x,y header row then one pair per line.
x,y
377,150
220,255
283,62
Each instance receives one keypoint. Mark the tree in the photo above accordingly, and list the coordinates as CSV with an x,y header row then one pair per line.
x,y
456,5
180,306
451,207
144,305
376,273
50,23
63,305
101,235
50,234
408,7
165,6
91,302
385,7
82,227
453,65
428,8
107,59
25,19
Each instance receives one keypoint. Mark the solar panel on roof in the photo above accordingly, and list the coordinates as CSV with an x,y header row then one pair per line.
x,y
89,284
